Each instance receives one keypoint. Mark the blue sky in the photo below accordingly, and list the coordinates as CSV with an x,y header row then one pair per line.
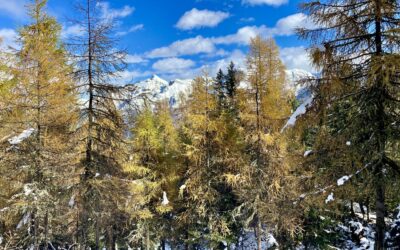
x,y
180,38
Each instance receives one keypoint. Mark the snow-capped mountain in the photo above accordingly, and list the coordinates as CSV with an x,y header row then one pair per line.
x,y
156,89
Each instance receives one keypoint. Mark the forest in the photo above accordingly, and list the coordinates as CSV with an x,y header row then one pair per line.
x,y
242,162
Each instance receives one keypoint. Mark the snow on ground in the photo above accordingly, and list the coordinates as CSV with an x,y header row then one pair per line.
x,y
357,235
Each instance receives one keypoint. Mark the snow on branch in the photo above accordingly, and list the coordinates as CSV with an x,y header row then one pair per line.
x,y
21,137
340,182
301,110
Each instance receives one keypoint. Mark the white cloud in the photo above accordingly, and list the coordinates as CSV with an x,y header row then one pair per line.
x,y
236,56
190,46
13,7
110,14
8,38
264,2
73,30
131,29
288,25
195,19
284,27
296,58
247,19
136,27
172,65
200,45
128,76
135,59
243,35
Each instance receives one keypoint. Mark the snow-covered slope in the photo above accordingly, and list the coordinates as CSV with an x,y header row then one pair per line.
x,y
157,89
294,79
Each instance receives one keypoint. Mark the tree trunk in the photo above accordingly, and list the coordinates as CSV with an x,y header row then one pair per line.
x,y
110,234
257,233
380,216
381,134
361,204
352,208
46,230
162,244
147,238
97,234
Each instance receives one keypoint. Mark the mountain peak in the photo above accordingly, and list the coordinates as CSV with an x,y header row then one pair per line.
x,y
155,77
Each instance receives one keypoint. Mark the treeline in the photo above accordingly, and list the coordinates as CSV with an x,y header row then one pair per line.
x,y
241,156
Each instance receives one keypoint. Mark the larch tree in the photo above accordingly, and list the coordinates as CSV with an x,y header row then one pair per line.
x,y
265,185
40,108
202,192
155,171
356,44
99,64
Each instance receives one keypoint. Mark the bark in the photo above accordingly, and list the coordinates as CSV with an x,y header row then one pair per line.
x,y
380,216
46,230
97,235
110,236
380,184
257,233
361,204
162,244
147,238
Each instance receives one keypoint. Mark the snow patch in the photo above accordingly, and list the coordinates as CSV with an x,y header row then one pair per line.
x,y
24,220
329,198
307,153
342,180
165,200
21,137
28,190
301,110
71,201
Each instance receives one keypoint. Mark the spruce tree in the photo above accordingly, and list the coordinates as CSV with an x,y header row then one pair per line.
x,y
231,80
220,90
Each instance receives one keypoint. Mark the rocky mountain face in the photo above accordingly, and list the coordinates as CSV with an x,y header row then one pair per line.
x,y
156,89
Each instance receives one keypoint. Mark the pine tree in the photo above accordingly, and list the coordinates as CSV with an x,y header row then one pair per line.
x,y
360,63
41,104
